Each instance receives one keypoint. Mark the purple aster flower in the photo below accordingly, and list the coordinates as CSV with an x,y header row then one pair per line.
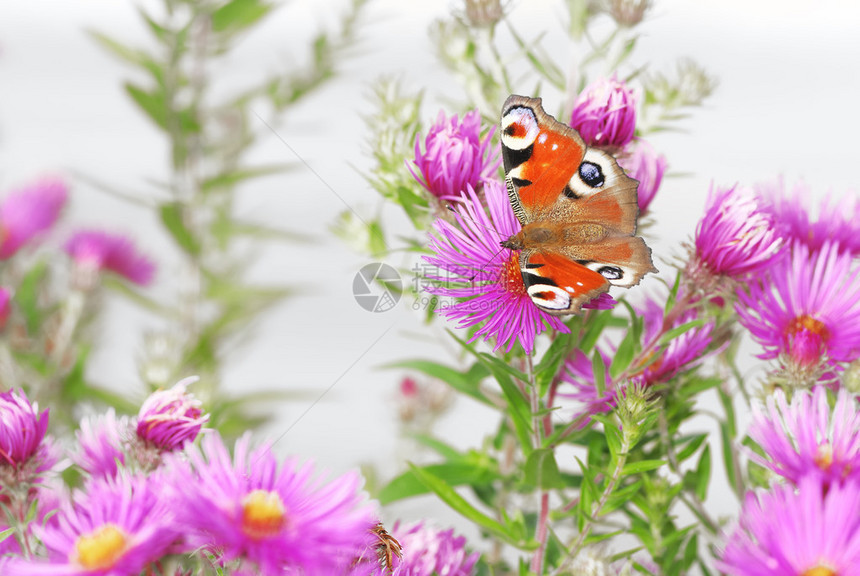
x,y
682,353
426,552
642,163
576,382
25,452
96,250
117,526
809,531
455,156
169,419
605,113
735,237
102,444
805,438
487,280
28,212
277,517
792,212
807,310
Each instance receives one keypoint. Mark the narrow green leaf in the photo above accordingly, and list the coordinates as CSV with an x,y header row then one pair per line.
x,y
27,296
239,14
541,470
118,49
641,466
468,383
682,329
598,369
691,447
624,354
172,217
408,484
153,104
518,410
703,471
459,504
234,177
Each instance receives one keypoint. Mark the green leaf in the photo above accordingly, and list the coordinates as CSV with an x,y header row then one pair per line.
x,y
468,383
547,369
541,470
471,472
239,14
594,328
119,49
691,447
518,410
153,104
172,217
641,466
598,369
459,504
624,354
27,296
679,330
234,177
703,471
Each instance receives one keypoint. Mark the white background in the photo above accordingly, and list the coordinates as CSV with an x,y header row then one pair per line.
x,y
787,104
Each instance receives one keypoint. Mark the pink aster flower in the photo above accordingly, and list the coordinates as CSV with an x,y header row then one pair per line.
x,y
102,443
735,237
807,309
809,531
793,210
116,527
642,163
682,353
485,279
25,452
427,551
455,156
576,382
805,438
169,419
277,517
28,212
96,250
605,113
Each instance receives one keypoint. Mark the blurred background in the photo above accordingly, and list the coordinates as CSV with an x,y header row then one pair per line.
x,y
786,105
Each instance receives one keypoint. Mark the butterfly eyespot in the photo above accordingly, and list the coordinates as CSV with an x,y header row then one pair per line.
x,y
591,174
611,272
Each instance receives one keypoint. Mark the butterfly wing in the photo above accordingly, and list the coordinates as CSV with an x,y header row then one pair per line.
x,y
558,285
581,198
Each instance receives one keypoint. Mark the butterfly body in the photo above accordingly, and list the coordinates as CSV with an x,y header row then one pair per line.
x,y
577,208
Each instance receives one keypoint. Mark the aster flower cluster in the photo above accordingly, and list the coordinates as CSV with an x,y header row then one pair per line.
x,y
150,491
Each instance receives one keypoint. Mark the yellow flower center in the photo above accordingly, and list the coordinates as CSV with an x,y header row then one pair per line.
x,y
101,548
263,514
809,324
820,571
824,456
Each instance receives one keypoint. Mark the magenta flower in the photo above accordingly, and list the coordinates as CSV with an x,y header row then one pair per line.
x,y
805,532
455,156
169,419
118,526
642,163
97,250
792,213
576,382
486,281
735,237
682,353
805,439
28,212
807,310
277,517
102,444
25,452
426,552
605,113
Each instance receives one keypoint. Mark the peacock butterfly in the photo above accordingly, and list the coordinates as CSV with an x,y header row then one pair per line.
x,y
577,207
